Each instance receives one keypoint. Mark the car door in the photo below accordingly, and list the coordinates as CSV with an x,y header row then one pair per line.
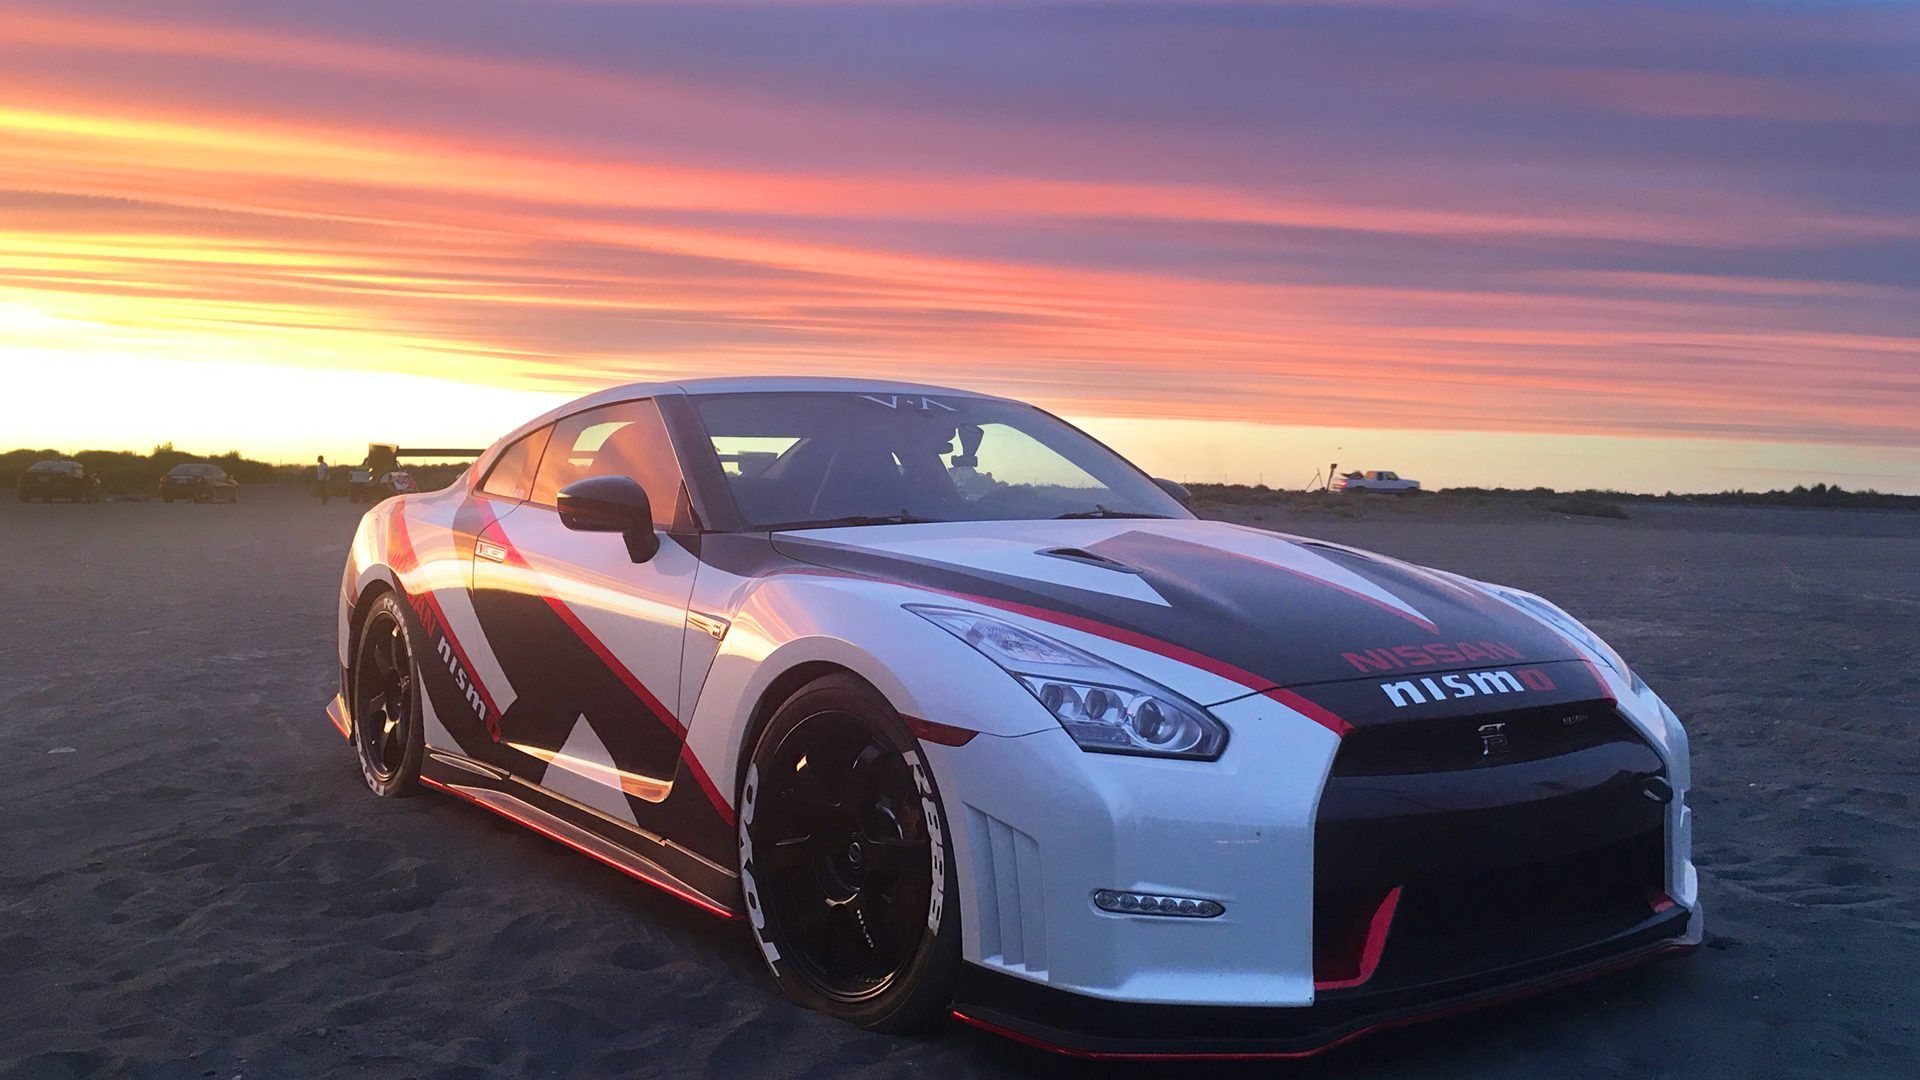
x,y
590,639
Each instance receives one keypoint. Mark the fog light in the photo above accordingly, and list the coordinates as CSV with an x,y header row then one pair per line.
x,y
1132,903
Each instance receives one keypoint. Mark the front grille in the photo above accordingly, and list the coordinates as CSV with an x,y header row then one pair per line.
x,y
1468,742
1498,859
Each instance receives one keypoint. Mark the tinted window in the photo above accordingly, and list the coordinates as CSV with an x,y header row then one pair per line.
x,y
627,439
795,458
512,474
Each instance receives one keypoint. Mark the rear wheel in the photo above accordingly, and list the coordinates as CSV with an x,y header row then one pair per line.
x,y
387,734
845,862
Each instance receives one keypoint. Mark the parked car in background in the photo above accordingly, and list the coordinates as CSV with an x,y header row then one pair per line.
x,y
365,488
52,480
360,486
1359,483
199,482
398,482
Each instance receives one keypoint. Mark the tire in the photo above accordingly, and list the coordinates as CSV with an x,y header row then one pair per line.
x,y
387,731
859,916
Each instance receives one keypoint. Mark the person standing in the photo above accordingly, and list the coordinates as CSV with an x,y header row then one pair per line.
x,y
320,471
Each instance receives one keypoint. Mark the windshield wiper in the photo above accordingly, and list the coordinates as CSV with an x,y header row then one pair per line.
x,y
902,518
1099,511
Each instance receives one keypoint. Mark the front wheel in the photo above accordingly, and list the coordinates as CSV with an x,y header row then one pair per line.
x,y
845,861
387,734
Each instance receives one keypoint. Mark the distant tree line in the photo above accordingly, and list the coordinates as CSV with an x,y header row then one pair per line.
x,y
1588,500
126,473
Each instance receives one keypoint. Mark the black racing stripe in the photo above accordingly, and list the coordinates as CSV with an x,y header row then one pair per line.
x,y
1285,629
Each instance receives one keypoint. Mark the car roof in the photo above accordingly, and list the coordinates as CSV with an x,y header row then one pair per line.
x,y
732,384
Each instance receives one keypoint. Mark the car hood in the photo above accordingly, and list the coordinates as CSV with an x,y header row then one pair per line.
x,y
1284,611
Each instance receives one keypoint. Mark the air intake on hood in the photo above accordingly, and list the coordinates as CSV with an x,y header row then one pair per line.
x,y
1082,555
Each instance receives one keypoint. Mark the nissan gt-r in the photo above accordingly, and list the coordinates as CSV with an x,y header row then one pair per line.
x,y
963,714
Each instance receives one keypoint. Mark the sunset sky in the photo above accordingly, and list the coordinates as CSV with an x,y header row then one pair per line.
x,y
1648,246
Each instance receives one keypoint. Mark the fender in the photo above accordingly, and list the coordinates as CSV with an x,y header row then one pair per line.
x,y
786,621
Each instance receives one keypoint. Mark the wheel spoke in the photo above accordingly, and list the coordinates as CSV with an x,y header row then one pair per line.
x,y
787,854
879,931
886,857
866,773
809,800
396,653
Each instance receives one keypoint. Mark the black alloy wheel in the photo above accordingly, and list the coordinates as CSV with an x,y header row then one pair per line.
x,y
843,850
387,733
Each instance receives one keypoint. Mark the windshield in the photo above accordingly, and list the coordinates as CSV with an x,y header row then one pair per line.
x,y
54,466
799,459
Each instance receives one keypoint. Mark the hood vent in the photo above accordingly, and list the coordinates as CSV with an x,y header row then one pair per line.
x,y
1082,555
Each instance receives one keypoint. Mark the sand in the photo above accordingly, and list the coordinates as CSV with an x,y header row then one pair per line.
x,y
193,881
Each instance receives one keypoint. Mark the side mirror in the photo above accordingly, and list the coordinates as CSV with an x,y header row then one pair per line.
x,y
1178,491
611,504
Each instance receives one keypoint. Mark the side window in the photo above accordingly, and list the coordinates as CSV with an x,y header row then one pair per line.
x,y
512,474
627,439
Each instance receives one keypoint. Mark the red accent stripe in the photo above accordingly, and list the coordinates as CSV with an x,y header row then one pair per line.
x,y
1179,653
401,551
1310,710
695,899
620,670
1601,678
1294,1055
1375,944
943,734
605,655
699,774
337,714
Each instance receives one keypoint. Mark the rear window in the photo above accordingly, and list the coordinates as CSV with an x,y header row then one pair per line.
x,y
54,466
512,474
196,470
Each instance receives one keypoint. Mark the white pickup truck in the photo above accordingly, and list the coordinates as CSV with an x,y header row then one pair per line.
x,y
1359,483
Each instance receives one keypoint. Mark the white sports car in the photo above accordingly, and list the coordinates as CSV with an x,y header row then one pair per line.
x,y
965,715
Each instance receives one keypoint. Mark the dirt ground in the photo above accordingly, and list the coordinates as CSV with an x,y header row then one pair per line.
x,y
193,881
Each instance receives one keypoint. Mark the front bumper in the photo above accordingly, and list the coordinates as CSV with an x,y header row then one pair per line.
x,y
1281,838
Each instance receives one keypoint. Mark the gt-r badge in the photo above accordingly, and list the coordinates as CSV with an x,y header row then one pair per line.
x,y
1493,739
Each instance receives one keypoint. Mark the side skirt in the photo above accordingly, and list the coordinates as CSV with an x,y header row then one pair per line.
x,y
639,854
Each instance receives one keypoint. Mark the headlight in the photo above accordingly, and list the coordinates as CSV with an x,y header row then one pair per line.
x,y
1105,708
1552,615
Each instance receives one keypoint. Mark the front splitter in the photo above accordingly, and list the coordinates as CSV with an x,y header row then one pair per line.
x,y
1079,1026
